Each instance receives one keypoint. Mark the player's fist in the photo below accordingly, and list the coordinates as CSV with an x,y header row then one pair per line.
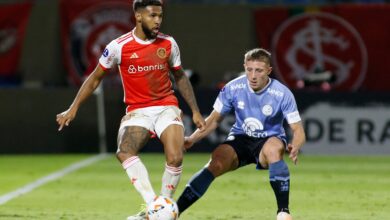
x,y
64,118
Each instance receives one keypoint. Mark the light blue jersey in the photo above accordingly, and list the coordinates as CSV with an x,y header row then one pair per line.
x,y
258,114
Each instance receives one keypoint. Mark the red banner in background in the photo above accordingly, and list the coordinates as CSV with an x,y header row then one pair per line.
x,y
87,27
341,47
13,21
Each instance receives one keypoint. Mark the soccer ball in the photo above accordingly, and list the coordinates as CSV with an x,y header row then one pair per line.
x,y
283,216
162,208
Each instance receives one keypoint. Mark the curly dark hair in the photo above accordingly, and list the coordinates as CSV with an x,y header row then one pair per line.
x,y
137,4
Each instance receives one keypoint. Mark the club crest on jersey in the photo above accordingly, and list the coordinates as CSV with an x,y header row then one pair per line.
x,y
161,52
267,110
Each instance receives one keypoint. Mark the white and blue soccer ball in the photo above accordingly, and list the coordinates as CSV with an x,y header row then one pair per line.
x,y
162,208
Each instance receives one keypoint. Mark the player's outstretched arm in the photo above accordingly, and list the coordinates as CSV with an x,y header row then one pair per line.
x,y
89,85
185,88
298,140
212,122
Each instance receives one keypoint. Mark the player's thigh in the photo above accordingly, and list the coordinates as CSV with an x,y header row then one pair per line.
x,y
131,139
170,115
272,151
173,141
134,132
169,128
223,159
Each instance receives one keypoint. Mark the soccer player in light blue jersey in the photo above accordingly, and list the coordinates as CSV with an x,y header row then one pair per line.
x,y
260,104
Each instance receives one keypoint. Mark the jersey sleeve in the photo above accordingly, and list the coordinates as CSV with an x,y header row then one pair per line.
x,y
223,103
290,109
174,59
110,56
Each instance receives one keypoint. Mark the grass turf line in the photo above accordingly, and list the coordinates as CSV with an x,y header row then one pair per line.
x,y
322,187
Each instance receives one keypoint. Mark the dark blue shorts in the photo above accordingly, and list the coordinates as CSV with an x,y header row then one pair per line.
x,y
247,149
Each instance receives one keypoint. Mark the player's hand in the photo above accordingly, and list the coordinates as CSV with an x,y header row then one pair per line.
x,y
294,151
199,120
64,118
188,142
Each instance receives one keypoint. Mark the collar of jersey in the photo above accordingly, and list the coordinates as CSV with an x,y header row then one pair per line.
x,y
141,41
258,92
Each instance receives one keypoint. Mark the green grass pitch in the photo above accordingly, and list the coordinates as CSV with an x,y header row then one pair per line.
x,y
322,187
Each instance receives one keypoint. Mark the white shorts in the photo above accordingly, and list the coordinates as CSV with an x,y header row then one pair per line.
x,y
156,118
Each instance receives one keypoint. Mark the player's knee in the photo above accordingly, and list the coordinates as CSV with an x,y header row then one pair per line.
x,y
123,155
174,160
273,154
217,167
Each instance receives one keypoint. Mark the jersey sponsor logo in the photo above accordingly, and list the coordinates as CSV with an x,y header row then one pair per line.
x,y
161,52
313,45
254,128
267,110
275,92
134,56
238,86
136,68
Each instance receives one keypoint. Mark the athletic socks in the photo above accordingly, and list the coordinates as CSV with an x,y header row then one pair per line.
x,y
279,177
195,189
139,177
170,180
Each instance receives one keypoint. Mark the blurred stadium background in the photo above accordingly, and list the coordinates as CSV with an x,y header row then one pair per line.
x,y
332,53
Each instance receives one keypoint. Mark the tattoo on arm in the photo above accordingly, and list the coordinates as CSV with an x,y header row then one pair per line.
x,y
185,88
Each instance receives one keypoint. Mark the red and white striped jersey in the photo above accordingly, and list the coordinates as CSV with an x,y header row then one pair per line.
x,y
144,68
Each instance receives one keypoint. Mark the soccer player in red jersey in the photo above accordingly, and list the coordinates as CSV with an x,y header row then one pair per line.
x,y
145,57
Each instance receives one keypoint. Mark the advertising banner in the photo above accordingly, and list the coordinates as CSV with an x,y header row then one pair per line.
x,y
13,21
87,27
345,129
330,47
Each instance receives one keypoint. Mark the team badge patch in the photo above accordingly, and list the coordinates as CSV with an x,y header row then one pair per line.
x,y
161,52
267,110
